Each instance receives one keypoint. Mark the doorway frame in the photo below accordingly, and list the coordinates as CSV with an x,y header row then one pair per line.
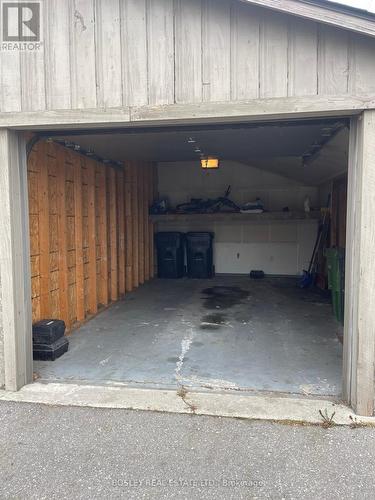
x,y
359,324
15,274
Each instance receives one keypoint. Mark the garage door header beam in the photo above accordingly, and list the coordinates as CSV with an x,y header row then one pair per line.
x,y
326,122
286,108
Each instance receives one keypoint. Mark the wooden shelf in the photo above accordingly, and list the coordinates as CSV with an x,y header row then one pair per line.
x,y
263,217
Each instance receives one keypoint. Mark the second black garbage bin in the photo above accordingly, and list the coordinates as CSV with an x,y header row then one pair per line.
x,y
171,255
199,250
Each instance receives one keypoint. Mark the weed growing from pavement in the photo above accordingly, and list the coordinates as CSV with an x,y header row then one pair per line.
x,y
327,419
355,424
182,393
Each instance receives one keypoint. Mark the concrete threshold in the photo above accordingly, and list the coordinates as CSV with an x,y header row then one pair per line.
x,y
252,406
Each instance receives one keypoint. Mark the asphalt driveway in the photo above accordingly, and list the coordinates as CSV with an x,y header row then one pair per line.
x,y
64,452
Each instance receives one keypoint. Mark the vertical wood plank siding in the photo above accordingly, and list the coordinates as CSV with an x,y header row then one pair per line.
x,y
135,219
128,228
82,214
112,53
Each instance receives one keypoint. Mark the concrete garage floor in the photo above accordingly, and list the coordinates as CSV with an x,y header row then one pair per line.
x,y
226,333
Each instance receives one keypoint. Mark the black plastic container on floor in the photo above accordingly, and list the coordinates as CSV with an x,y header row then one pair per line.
x,y
50,352
48,331
257,275
199,255
170,250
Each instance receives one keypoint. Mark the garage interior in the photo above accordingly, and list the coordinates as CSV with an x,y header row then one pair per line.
x,y
94,258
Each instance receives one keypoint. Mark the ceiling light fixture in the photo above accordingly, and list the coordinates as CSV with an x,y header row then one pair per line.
x,y
209,163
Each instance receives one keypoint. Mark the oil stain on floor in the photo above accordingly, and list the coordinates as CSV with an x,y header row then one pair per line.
x,y
213,321
223,297
215,318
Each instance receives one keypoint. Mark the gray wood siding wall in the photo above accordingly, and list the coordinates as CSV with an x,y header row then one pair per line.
x,y
113,53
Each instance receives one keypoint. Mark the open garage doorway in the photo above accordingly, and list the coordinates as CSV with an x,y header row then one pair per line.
x,y
96,202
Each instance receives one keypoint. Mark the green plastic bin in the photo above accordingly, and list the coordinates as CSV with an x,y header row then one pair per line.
x,y
336,280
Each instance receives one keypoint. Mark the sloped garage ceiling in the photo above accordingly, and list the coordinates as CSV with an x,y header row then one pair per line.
x,y
276,148
329,163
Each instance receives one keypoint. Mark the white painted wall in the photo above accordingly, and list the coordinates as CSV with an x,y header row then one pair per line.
x,y
282,248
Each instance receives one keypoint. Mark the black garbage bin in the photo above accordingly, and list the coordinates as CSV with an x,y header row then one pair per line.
x,y
199,255
170,251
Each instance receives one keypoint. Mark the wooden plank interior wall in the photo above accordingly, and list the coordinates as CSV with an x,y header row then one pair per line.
x,y
84,219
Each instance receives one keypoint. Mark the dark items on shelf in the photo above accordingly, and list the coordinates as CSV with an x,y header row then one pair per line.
x,y
159,207
220,204
253,207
